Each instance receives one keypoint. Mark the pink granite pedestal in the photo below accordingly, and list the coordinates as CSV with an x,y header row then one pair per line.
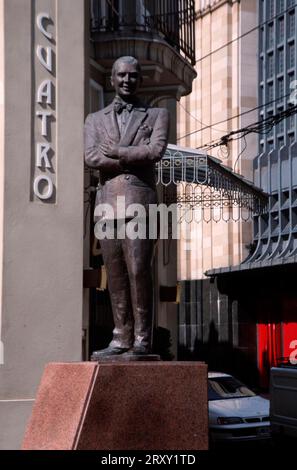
x,y
120,406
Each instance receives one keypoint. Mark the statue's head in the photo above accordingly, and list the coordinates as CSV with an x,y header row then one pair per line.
x,y
126,76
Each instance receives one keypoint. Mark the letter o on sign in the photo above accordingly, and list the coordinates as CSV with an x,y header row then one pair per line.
x,y
46,182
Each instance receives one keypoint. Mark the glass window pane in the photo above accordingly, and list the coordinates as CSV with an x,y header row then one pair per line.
x,y
270,8
270,92
281,88
280,29
291,123
270,35
291,24
280,6
281,61
261,95
291,56
291,138
280,127
290,3
261,44
270,66
281,141
262,70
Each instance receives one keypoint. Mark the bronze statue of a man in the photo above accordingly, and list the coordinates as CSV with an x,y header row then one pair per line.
x,y
124,141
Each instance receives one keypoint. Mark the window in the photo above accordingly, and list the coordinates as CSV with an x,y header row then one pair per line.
x,y
291,78
291,122
227,387
281,127
270,66
270,134
262,10
262,69
280,88
291,24
261,45
261,95
281,60
270,36
270,92
291,138
290,3
281,29
280,141
280,6
291,56
270,8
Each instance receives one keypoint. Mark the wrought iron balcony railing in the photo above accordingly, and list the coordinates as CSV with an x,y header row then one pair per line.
x,y
173,20
200,184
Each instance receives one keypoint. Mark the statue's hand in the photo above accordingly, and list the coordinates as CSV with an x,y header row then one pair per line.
x,y
109,150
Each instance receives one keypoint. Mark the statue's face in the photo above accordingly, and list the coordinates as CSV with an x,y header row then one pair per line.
x,y
126,79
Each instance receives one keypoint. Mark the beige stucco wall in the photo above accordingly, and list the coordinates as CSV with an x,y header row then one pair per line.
x,y
226,86
1,160
42,241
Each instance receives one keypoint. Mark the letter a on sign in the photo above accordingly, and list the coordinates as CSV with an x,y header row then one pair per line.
x,y
45,91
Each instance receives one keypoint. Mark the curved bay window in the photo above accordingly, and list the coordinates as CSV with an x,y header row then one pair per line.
x,y
173,20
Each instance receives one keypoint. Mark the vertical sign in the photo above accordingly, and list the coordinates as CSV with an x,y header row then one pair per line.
x,y
43,187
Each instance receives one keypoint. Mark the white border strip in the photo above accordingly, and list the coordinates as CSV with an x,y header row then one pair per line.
x,y
12,400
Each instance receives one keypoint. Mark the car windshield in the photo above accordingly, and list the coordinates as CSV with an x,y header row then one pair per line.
x,y
222,388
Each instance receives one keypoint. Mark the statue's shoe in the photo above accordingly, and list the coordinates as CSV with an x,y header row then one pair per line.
x,y
109,351
138,351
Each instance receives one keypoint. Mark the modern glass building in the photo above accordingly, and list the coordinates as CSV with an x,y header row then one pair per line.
x,y
277,68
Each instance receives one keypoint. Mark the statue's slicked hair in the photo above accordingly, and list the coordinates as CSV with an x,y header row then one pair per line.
x,y
127,60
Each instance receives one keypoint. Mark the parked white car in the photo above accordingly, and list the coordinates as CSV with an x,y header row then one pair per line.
x,y
236,413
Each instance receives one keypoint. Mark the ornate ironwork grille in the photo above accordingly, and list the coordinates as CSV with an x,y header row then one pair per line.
x,y
173,20
206,189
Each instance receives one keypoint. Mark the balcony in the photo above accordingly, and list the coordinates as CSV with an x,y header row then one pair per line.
x,y
160,33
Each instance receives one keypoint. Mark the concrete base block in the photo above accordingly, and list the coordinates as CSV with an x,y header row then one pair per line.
x,y
120,406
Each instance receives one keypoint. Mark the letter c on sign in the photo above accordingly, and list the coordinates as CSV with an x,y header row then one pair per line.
x,y
50,188
39,21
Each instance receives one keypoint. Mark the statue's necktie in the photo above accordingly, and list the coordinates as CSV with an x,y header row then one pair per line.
x,y
119,107
122,110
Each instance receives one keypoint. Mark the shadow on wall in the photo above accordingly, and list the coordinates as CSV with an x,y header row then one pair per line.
x,y
222,356
162,343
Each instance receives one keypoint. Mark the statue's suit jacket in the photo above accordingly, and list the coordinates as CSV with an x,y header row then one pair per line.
x,y
142,144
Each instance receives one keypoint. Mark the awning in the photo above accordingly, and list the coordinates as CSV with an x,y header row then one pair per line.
x,y
274,245
202,183
245,267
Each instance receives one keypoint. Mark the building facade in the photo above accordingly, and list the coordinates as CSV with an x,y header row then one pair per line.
x,y
42,111
224,98
225,88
